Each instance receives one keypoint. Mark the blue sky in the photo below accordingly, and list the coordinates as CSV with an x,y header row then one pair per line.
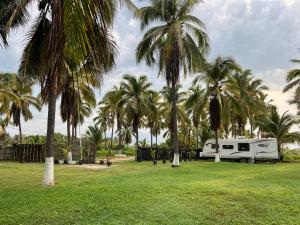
x,y
262,35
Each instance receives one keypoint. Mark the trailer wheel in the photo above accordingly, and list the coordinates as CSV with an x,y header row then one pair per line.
x,y
251,161
243,160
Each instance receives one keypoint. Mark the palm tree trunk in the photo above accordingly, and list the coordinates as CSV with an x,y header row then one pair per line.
x,y
156,139
217,156
55,50
48,179
112,136
189,141
105,139
68,130
174,125
151,137
20,131
137,145
251,130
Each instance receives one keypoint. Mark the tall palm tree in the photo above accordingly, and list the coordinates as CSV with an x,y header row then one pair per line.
x,y
246,94
24,94
152,119
114,102
167,106
126,132
178,43
215,75
76,91
279,126
136,92
195,103
77,31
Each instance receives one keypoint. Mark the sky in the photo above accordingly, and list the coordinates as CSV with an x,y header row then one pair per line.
x,y
262,35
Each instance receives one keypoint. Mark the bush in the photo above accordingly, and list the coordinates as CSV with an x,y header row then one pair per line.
x,y
129,151
105,153
291,154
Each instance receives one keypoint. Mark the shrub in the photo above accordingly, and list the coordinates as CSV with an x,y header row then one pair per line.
x,y
291,154
129,151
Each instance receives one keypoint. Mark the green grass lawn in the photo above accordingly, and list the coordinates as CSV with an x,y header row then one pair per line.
x,y
140,193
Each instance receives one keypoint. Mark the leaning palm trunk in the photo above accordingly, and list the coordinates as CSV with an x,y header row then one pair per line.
x,y
174,126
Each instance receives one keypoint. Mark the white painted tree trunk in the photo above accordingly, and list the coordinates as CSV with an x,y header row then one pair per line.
x,y
217,157
49,172
70,156
176,160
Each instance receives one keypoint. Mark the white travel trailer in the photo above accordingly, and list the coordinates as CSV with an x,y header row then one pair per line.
x,y
242,148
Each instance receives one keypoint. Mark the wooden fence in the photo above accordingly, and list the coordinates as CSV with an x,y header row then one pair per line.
x,y
23,153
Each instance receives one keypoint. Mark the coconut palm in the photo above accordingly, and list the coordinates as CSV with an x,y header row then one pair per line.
x,y
136,92
114,102
166,109
126,132
102,120
24,94
195,105
293,79
7,96
152,119
279,126
78,32
94,136
178,43
246,94
215,75
75,91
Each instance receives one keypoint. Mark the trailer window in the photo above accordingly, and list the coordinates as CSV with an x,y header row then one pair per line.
x,y
227,146
213,146
244,147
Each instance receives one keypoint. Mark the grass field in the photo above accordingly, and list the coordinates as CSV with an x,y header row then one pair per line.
x,y
140,193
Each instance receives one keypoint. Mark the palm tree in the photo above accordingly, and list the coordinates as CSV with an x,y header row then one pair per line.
x,y
215,76
136,92
178,42
113,101
94,135
246,94
7,96
167,106
102,120
24,94
152,119
293,79
126,132
76,91
195,104
279,126
78,32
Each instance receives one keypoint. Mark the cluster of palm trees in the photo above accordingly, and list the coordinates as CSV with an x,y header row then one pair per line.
x,y
134,104
16,100
70,47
